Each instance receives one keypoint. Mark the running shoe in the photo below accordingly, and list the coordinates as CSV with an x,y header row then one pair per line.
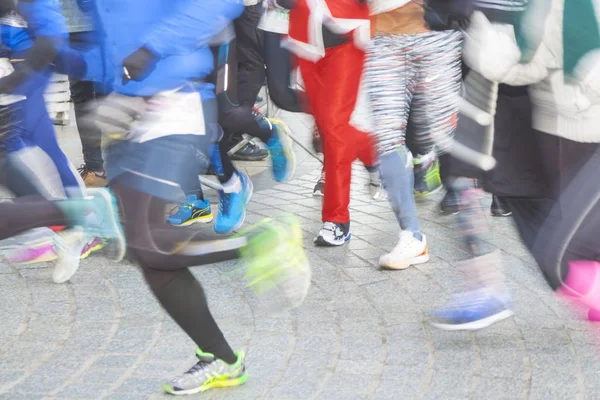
x,y
38,253
376,189
427,176
282,154
92,245
473,310
209,372
250,152
332,234
450,204
409,251
275,261
191,211
232,207
104,223
45,251
68,246
93,178
499,208
319,190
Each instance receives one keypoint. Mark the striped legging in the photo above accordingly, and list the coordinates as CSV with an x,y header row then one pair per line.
x,y
417,76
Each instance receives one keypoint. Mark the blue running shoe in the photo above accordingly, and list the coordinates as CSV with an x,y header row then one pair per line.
x,y
232,207
105,223
191,211
282,155
473,310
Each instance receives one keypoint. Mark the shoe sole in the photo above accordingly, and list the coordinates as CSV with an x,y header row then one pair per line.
x,y
320,242
318,193
286,142
199,220
116,226
404,265
475,325
252,158
47,256
215,384
97,247
498,214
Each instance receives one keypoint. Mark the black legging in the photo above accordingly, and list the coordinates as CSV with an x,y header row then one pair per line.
x,y
279,69
157,247
29,212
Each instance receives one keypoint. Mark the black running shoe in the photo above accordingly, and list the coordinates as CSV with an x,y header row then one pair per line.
x,y
499,207
450,203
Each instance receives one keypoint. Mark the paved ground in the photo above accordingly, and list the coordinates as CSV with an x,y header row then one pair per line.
x,y
361,334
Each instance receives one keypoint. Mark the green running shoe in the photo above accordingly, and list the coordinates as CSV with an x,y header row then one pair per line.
x,y
209,372
427,178
275,260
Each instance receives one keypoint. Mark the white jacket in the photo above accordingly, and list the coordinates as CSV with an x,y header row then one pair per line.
x,y
568,109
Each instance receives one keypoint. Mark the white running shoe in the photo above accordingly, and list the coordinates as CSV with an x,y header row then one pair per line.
x,y
332,234
68,246
409,251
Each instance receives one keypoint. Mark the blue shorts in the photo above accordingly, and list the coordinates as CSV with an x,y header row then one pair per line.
x,y
162,166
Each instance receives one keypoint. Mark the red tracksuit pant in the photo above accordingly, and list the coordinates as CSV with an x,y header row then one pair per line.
x,y
332,85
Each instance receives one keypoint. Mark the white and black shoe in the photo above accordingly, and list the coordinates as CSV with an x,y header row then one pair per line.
x,y
332,234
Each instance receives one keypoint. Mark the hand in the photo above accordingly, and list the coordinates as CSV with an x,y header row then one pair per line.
x,y
138,65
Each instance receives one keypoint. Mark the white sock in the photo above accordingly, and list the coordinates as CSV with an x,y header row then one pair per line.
x,y
233,185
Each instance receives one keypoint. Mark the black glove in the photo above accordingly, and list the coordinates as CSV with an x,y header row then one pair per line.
x,y
138,65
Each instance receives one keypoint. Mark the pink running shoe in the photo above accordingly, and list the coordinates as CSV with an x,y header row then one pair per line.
x,y
45,252
582,285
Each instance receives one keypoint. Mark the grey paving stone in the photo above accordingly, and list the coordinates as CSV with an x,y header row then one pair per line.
x,y
498,389
144,386
115,361
83,391
347,386
127,346
101,375
392,389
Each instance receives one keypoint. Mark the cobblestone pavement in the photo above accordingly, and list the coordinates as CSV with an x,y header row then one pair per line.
x,y
361,334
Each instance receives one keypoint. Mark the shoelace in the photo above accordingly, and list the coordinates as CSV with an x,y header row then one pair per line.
x,y
198,368
332,227
224,200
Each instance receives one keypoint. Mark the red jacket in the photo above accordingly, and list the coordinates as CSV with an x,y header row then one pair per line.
x,y
340,16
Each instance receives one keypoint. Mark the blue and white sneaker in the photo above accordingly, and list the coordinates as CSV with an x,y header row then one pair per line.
x,y
105,223
232,207
282,154
191,211
473,310
332,234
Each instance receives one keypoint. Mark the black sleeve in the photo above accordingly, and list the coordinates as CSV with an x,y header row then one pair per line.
x,y
447,14
289,4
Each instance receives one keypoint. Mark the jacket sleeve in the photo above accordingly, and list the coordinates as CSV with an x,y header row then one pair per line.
x,y
48,29
532,72
191,25
587,73
44,18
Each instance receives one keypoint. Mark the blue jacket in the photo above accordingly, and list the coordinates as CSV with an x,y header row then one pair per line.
x,y
177,31
41,18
